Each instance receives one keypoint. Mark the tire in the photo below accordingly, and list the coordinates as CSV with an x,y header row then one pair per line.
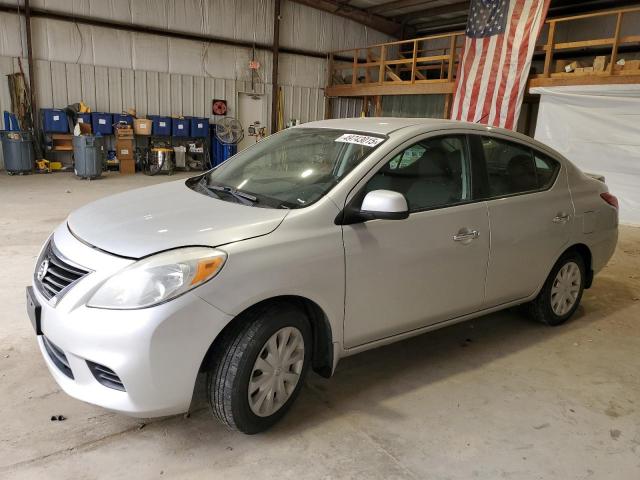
x,y
237,363
559,299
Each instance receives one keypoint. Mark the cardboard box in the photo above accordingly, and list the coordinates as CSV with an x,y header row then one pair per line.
x,y
124,133
142,126
587,69
599,63
127,167
560,64
631,65
124,149
572,66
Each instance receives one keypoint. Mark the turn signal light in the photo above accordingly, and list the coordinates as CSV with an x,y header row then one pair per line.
x,y
610,199
206,269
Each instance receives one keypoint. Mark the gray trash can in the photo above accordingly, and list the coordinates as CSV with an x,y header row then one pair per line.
x,y
17,150
88,155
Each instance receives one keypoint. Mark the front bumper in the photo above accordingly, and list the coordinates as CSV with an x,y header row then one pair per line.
x,y
156,352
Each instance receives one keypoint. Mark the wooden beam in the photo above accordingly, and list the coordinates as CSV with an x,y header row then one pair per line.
x,y
381,75
413,62
452,57
358,15
616,42
393,75
378,106
563,80
447,105
424,87
549,49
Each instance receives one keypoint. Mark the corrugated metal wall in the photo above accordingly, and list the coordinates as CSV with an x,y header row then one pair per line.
x,y
114,70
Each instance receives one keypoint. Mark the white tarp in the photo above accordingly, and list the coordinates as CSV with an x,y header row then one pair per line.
x,y
597,127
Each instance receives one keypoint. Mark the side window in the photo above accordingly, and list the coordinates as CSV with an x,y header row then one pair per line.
x,y
547,170
510,167
431,173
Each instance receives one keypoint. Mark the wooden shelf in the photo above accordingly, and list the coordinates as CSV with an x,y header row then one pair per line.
x,y
398,68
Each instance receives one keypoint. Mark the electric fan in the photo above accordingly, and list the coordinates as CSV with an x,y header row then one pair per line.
x,y
229,131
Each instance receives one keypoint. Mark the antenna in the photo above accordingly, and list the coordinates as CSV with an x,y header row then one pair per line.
x,y
478,121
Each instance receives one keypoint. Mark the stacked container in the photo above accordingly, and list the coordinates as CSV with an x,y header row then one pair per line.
x,y
122,117
54,121
161,125
102,123
180,127
199,126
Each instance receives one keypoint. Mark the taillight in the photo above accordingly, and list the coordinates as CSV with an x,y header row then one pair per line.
x,y
610,199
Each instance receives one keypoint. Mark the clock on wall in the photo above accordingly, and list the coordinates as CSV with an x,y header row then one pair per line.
x,y
219,107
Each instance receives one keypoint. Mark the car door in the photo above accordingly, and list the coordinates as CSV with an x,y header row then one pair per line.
x,y
405,274
530,215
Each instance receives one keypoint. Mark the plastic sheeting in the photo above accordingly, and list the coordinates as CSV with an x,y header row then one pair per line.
x,y
597,127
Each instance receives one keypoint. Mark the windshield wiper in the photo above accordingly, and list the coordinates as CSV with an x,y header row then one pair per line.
x,y
243,197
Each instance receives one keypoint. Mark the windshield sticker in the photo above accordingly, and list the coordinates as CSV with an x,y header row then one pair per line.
x,y
360,139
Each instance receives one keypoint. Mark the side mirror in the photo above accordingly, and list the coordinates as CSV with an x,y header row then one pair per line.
x,y
378,204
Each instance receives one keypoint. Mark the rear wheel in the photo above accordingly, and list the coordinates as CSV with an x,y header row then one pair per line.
x,y
562,292
260,368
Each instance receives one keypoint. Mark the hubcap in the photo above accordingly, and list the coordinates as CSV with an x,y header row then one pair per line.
x,y
565,289
276,371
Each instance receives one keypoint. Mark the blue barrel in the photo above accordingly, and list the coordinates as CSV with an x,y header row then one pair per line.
x,y
221,151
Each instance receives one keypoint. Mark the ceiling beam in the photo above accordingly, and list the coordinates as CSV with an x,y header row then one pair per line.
x,y
358,15
397,4
457,8
427,26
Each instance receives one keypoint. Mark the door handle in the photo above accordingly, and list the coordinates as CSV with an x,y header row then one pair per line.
x,y
465,235
561,218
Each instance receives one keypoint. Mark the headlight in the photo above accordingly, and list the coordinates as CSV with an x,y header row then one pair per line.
x,y
158,278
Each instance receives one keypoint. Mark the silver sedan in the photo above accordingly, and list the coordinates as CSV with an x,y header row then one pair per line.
x,y
317,243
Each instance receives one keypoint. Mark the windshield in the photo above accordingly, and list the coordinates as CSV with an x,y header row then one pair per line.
x,y
292,169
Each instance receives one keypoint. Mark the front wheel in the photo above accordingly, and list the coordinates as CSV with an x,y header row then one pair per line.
x,y
562,292
260,367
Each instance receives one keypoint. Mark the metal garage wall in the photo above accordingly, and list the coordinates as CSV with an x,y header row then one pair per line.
x,y
346,107
113,70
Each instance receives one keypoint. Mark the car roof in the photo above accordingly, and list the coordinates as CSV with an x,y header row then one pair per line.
x,y
377,125
389,125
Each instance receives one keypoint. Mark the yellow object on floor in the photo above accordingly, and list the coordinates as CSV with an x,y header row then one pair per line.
x,y
43,166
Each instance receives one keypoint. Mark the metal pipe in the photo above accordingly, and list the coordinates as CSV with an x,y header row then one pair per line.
x,y
138,28
275,49
32,73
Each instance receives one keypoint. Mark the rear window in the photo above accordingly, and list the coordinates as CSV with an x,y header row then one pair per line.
x,y
515,169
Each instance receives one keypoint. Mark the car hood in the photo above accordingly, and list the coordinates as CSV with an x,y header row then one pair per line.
x,y
152,219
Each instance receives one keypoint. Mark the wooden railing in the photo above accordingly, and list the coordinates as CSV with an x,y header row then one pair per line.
x,y
552,46
428,65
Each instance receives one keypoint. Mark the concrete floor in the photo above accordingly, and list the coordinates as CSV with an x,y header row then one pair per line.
x,y
498,397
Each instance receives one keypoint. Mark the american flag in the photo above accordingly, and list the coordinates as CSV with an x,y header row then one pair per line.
x,y
495,62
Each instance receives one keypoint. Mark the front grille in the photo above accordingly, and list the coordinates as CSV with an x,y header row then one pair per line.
x,y
55,274
58,357
106,376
